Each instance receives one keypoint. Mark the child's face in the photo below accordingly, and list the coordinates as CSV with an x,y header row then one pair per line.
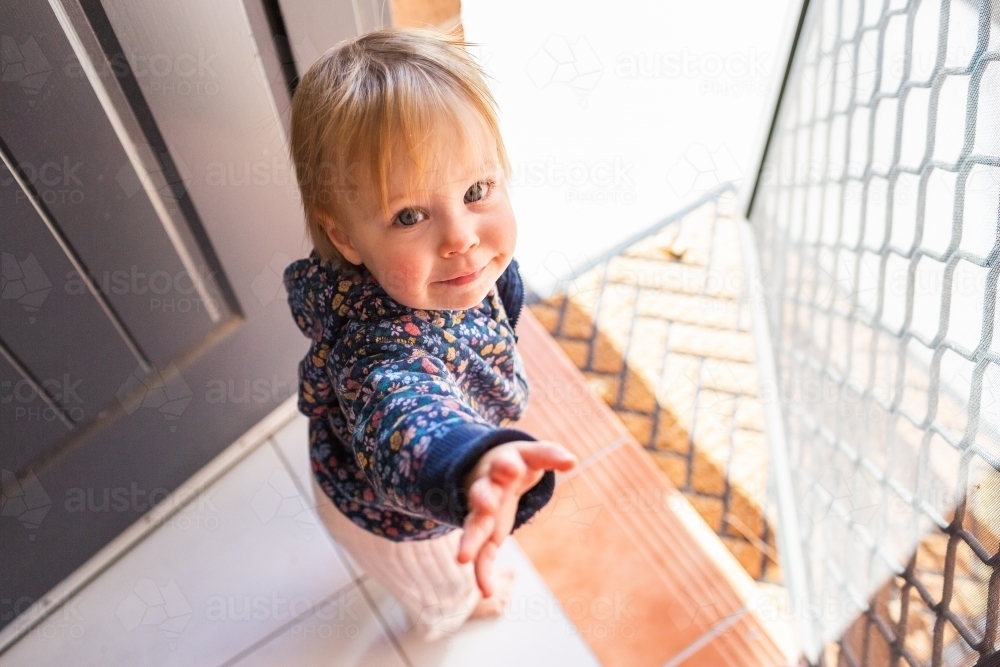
x,y
459,223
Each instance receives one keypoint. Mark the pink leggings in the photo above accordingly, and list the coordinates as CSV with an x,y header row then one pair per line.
x,y
437,592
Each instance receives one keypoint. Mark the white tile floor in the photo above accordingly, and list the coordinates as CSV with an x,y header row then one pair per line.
x,y
245,574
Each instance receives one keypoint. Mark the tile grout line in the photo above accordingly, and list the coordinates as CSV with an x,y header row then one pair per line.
x,y
630,526
266,639
597,455
592,341
655,555
290,469
251,440
389,632
593,458
720,626
314,506
652,544
357,579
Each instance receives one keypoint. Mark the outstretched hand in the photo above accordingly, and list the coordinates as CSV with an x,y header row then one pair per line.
x,y
495,485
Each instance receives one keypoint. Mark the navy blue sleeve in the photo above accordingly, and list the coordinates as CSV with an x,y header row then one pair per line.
x,y
511,290
456,454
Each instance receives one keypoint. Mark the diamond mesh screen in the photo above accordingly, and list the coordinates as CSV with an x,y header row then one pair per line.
x,y
876,219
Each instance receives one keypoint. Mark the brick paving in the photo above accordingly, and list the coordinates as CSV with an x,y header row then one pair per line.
x,y
663,336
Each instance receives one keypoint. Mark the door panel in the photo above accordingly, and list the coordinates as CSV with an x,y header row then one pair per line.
x,y
183,163
29,425
50,324
89,185
226,131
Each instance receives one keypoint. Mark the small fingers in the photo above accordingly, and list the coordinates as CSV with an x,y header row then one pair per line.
x,y
506,469
484,496
547,455
484,568
480,523
478,530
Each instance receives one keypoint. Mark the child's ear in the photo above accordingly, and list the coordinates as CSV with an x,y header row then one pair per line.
x,y
340,240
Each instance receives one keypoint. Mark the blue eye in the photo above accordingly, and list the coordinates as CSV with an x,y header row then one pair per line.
x,y
478,191
409,217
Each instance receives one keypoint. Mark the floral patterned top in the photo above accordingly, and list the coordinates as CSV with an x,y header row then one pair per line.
x,y
403,402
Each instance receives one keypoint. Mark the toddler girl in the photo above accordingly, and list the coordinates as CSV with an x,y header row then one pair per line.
x,y
410,297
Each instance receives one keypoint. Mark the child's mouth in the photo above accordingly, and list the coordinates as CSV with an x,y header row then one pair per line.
x,y
462,280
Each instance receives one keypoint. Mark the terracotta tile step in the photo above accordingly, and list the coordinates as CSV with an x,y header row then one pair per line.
x,y
660,332
643,578
721,466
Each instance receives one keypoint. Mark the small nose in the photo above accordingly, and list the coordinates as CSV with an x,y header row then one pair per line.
x,y
459,235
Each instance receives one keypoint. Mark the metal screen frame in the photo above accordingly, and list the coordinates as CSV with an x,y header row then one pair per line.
x,y
899,540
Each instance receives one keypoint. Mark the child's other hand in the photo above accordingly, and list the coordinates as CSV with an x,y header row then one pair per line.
x,y
495,485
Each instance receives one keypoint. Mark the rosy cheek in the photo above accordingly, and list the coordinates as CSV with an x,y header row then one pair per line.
x,y
502,227
395,279
403,276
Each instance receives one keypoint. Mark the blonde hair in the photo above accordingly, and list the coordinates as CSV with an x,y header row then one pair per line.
x,y
366,94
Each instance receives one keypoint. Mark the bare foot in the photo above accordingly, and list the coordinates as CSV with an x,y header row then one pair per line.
x,y
495,604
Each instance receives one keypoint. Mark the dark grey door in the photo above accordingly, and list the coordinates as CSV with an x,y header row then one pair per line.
x,y
147,209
